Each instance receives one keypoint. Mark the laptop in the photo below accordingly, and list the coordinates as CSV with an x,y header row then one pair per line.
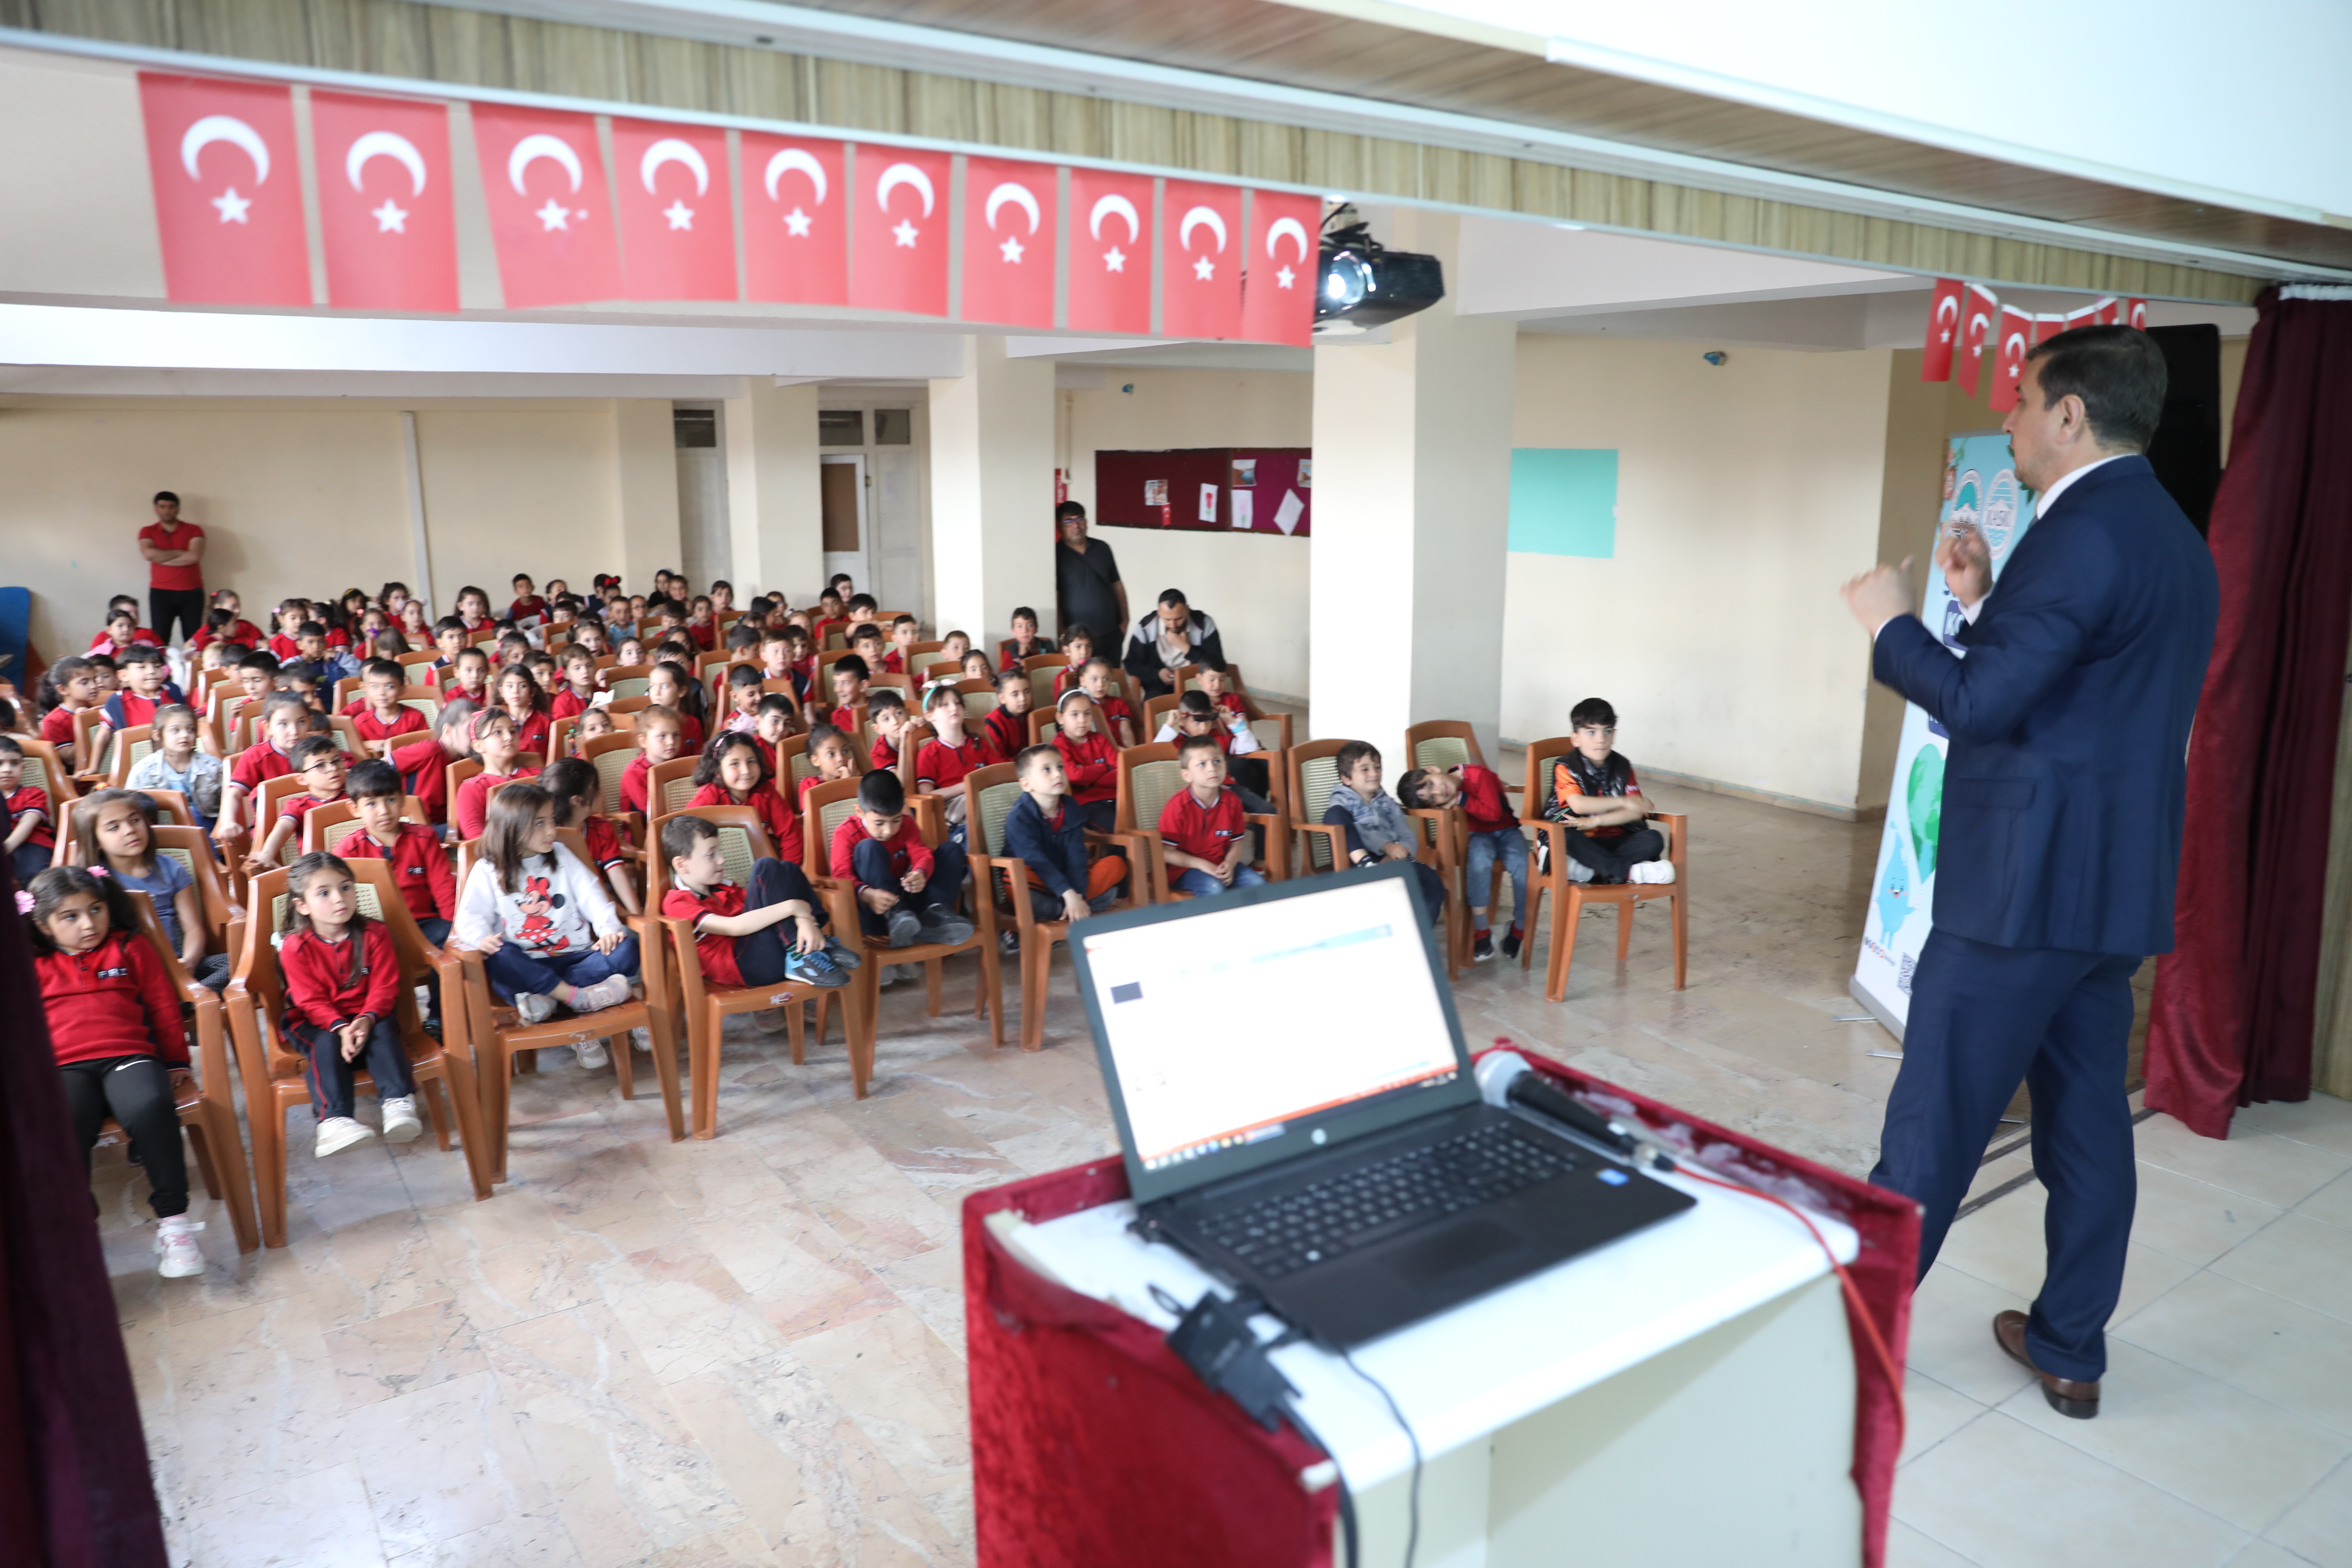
x,y
1297,1111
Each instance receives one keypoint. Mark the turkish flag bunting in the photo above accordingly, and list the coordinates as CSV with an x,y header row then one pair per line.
x,y
2016,335
677,223
544,181
2048,327
1284,261
1942,331
384,206
228,190
1201,261
2136,313
901,233
2107,311
1008,242
1979,310
2086,316
1111,252
795,220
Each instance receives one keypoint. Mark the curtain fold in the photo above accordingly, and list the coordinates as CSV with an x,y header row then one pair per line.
x,y
2233,1014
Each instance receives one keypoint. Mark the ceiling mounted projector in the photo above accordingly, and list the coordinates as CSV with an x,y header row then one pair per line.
x,y
1364,284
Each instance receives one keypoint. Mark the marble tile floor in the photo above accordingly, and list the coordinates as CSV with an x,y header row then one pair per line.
x,y
749,1351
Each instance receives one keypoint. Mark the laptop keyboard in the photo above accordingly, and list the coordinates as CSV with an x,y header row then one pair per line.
x,y
1280,1235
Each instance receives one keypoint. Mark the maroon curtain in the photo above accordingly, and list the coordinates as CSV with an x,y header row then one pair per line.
x,y
74,1485
2232,1015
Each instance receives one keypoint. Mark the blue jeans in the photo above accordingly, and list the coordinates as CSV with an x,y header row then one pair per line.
x,y
1511,847
1201,885
511,971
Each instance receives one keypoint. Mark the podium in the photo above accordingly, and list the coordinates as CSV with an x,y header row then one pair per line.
x,y
1694,1392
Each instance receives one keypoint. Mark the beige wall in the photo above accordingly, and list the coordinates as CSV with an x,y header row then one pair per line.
x,y
1253,583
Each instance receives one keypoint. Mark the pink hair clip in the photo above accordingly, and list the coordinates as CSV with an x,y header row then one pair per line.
x,y
23,902
99,871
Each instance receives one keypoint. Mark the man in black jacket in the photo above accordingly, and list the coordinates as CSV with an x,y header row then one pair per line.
x,y
1172,636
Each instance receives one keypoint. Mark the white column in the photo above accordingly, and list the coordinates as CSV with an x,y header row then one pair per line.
x,y
992,491
1412,463
775,507
645,461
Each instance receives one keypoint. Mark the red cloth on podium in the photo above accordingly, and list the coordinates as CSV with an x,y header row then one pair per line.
x,y
1092,1444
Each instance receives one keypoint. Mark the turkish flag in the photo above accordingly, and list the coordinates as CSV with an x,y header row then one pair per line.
x,y
384,207
1111,252
1284,262
2016,335
677,223
1008,242
2136,313
795,220
1979,311
901,232
1201,261
550,216
2106,311
2086,316
1942,331
228,190
2048,327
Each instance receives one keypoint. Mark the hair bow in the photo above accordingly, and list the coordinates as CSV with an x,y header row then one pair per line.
x,y
99,871
23,902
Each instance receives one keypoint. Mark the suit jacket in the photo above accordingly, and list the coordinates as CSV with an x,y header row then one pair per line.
x,y
2069,722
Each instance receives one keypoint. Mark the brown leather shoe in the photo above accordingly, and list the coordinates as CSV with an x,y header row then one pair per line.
x,y
2067,1396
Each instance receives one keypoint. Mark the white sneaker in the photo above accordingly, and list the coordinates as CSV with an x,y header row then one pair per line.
x,y
609,992
337,1133
534,1007
400,1123
1577,871
1652,872
642,1040
175,1238
591,1053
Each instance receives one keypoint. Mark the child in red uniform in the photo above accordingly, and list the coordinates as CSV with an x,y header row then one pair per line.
x,y
380,717
1007,724
146,688
885,709
319,760
849,675
270,757
70,686
495,741
291,614
660,739
1078,648
906,891
1494,835
900,659
31,817
831,756
738,936
772,725
596,722
521,700
1089,760
578,694
343,981
699,623
449,638
424,762
527,602
673,686
1117,717
743,694
114,1030
419,865
943,760
1024,642
123,632
473,608
732,774
1203,830
577,789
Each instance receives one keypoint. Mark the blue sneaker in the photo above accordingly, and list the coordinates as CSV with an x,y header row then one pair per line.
x,y
843,956
816,969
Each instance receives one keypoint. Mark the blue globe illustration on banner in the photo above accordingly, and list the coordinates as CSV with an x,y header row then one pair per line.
x,y
1999,523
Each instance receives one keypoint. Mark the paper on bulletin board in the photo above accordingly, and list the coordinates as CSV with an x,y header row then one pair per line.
x,y
1287,515
1207,503
1243,508
1980,490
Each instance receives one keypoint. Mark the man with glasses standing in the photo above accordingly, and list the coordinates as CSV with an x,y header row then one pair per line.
x,y
1594,791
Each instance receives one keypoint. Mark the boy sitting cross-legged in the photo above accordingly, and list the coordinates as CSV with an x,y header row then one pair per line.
x,y
740,934
1595,793
1494,835
1048,831
905,892
1204,829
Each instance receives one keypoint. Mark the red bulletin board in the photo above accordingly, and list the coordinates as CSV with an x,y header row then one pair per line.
x,y
1196,487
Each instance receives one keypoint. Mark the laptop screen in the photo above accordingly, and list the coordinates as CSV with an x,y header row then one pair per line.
x,y
1261,1023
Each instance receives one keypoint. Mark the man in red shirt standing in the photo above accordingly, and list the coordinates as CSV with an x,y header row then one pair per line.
x,y
174,549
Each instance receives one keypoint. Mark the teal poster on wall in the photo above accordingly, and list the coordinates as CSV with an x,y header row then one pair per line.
x,y
1981,493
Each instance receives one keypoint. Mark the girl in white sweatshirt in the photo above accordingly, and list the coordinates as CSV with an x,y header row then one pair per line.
x,y
548,932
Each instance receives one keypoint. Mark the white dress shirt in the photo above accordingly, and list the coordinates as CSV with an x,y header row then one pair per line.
x,y
2041,505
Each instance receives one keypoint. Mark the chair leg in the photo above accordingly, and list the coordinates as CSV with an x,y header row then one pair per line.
x,y
624,1071
1567,914
199,1142
1624,929
1682,936
662,1026
796,1026
932,980
1036,955
1536,887
227,1158
991,986
495,1078
858,1022
435,1112
458,1073
267,1122
702,1070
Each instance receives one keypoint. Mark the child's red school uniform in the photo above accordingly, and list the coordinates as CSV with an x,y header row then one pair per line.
x,y
706,636
285,647
941,767
1007,732
1092,765
634,786
907,850
570,704
244,632
425,768
106,645
420,868
329,983
607,846
882,754
780,821
1205,832
717,952
301,804
530,729
471,810
529,604
58,724
257,765
126,710
116,1000
33,800
1114,710
689,731
405,721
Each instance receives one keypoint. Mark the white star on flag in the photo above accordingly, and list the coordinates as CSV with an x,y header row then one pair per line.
x,y
1284,277
1203,268
232,205
1012,250
389,218
1114,259
796,223
554,216
905,233
680,215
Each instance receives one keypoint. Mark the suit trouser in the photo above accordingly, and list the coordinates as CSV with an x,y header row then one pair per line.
x,y
1982,1018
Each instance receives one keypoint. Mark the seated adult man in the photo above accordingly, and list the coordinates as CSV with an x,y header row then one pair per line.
x,y
1172,636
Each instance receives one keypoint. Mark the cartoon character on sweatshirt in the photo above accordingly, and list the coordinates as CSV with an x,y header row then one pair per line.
x,y
539,905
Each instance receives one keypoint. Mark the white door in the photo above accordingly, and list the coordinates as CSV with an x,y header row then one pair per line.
x,y
705,543
846,533
897,533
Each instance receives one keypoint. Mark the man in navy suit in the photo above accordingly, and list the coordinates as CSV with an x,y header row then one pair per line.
x,y
2060,839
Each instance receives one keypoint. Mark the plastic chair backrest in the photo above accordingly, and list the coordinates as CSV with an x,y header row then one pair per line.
x,y
1442,751
673,784
1541,764
628,686
172,808
1268,732
428,705
1317,776
36,773
612,755
129,749
1155,784
793,752
977,705
996,804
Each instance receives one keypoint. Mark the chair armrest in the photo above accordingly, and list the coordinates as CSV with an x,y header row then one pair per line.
x,y
1331,834
1677,831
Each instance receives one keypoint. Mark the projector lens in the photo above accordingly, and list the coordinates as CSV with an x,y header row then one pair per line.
x,y
1345,281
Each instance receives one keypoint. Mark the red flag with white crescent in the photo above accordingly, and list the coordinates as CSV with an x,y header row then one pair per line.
x,y
2136,313
899,239
384,207
2046,327
1942,331
1979,311
1279,291
795,220
228,190
1111,252
1008,242
1201,263
2015,332
2107,311
551,217
678,222
2087,315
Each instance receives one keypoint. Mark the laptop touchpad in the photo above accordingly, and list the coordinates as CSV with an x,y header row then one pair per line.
x,y
1461,1247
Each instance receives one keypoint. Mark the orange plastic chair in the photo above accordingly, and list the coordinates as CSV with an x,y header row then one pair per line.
x,y
1148,780
1570,897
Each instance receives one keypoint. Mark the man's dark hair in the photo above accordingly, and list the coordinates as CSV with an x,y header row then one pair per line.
x,y
1592,710
2117,371
166,495
373,779
1174,596
881,792
1064,511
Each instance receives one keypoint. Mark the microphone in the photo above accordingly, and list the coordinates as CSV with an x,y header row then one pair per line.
x,y
1506,1080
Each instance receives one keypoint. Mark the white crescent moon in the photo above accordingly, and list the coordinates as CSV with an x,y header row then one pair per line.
x,y
1018,195
1948,302
898,174
1979,322
1116,205
2017,338
1291,227
670,149
1199,215
214,128
385,144
799,158
539,144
